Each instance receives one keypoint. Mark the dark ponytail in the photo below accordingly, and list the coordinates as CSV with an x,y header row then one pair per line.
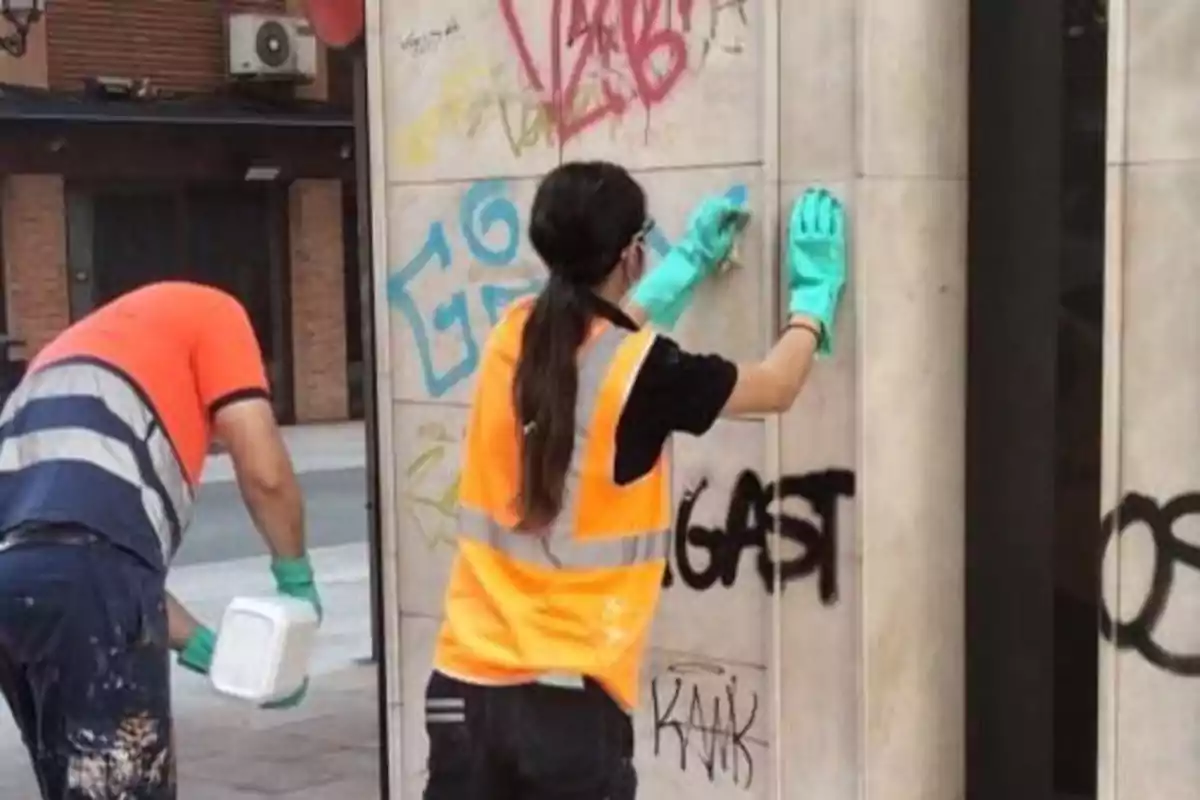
x,y
545,388
584,217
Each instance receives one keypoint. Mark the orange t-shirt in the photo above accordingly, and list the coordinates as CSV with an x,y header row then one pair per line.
x,y
190,349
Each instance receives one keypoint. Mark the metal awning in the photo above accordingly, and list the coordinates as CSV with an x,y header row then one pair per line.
x,y
25,104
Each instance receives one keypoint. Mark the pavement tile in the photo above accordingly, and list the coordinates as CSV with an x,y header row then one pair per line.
x,y
316,708
199,745
236,771
346,730
356,763
362,788
17,782
275,746
199,738
198,789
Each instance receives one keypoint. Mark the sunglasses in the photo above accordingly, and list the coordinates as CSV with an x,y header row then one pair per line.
x,y
644,231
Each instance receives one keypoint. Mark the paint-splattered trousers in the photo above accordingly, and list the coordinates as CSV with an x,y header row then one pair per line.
x,y
528,742
84,666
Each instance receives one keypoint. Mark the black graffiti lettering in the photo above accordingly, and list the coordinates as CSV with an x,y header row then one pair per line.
x,y
744,527
749,521
712,730
1169,550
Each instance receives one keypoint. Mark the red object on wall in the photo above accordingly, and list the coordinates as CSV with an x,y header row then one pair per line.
x,y
337,23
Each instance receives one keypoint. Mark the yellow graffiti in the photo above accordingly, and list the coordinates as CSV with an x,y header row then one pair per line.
x,y
535,119
439,502
416,143
470,102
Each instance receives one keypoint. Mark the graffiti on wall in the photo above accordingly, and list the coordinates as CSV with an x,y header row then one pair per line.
x,y
482,242
429,491
1170,553
421,43
486,233
701,557
632,48
705,556
598,61
708,722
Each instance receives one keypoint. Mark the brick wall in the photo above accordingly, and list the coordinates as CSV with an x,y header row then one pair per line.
x,y
318,310
29,69
178,44
35,258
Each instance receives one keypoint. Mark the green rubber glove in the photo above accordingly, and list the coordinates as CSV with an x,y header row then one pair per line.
x,y
294,578
668,318
667,290
816,265
197,652
291,701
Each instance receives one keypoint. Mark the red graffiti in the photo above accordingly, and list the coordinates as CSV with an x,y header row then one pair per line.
x,y
594,32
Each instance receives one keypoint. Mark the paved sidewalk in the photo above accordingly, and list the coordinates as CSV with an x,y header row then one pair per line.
x,y
340,445
327,749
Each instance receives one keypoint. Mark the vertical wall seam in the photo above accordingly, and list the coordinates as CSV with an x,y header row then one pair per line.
x,y
390,546
1116,148
772,200
857,114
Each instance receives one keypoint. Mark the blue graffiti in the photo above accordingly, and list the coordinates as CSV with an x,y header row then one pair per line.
x,y
487,199
446,316
485,208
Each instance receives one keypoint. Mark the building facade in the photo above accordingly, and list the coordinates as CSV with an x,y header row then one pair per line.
x,y
973,567
128,154
810,641
1149,703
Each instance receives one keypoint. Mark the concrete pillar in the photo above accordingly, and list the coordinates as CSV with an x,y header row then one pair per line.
x,y
318,305
826,662
871,695
1149,681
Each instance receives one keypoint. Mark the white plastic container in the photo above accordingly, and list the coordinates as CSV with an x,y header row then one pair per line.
x,y
263,647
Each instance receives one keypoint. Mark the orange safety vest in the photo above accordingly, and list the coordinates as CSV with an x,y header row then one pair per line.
x,y
580,596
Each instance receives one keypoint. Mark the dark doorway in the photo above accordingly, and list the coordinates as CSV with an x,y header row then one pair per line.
x,y
135,240
1077,544
353,301
1038,89
232,235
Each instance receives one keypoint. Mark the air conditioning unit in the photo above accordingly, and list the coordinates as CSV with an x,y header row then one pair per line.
x,y
271,47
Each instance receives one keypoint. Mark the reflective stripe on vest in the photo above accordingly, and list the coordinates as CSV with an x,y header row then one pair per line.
x,y
557,547
146,461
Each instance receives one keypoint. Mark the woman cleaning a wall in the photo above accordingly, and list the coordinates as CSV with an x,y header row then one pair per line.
x,y
565,499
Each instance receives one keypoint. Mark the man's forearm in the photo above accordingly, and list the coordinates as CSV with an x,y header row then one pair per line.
x,y
180,624
278,514
265,476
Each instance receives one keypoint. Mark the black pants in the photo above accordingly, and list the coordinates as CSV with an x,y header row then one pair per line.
x,y
529,742
84,667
